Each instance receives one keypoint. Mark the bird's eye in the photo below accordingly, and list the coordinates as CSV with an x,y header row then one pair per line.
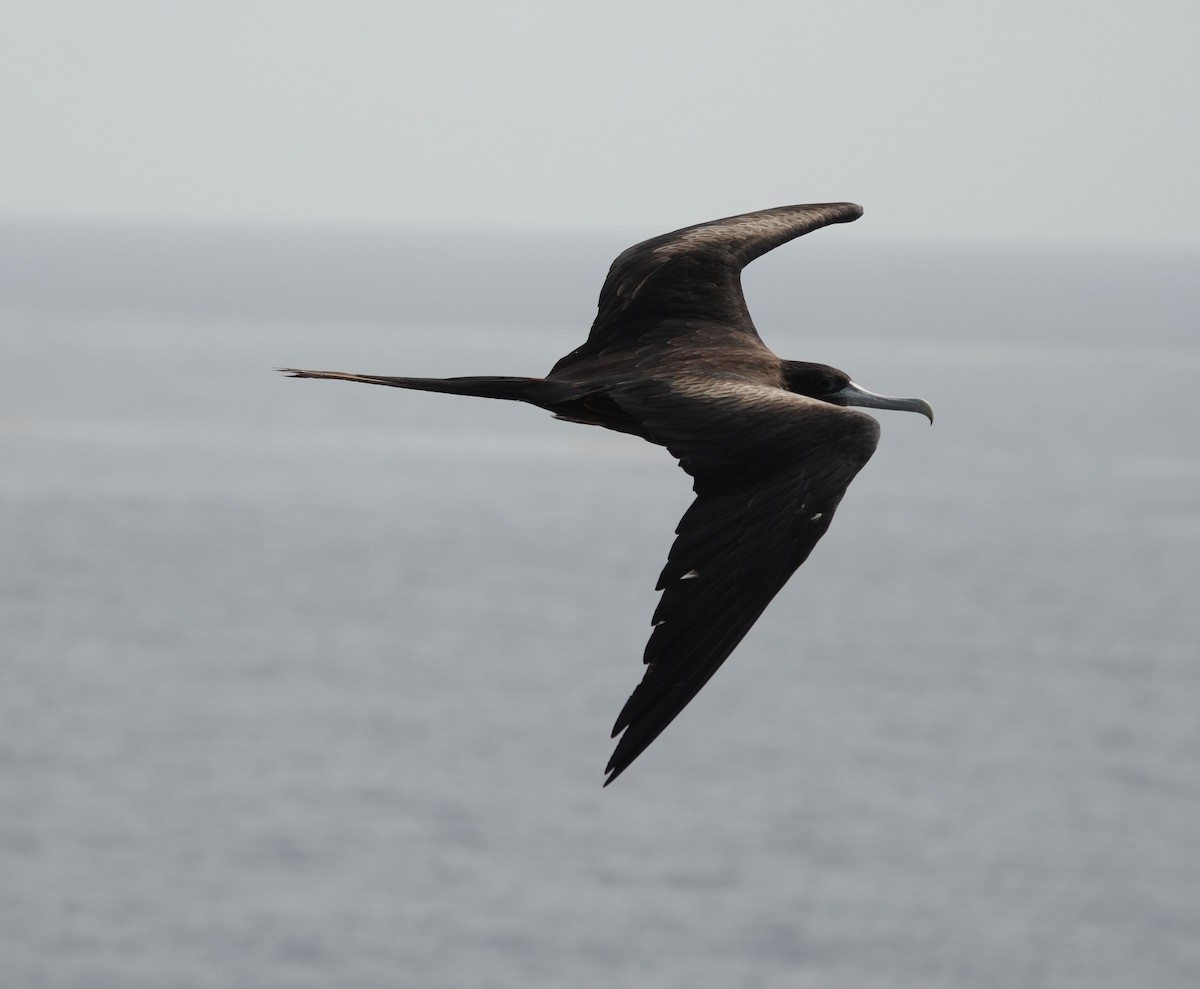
x,y
828,384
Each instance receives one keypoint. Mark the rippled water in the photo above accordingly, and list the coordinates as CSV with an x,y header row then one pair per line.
x,y
309,684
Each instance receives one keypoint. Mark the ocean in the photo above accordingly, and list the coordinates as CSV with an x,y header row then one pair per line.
x,y
309,684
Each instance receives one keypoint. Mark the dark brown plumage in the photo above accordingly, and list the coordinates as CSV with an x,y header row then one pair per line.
x,y
674,357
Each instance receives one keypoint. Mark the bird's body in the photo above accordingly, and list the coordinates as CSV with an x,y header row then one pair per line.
x,y
674,357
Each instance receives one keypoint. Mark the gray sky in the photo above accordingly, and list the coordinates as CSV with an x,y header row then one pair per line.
x,y
1062,122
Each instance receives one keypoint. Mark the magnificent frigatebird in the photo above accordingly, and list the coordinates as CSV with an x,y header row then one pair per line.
x,y
673,357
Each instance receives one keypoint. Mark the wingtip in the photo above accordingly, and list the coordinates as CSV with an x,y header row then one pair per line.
x,y
616,765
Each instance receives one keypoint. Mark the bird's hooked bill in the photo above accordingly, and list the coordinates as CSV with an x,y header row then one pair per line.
x,y
854,394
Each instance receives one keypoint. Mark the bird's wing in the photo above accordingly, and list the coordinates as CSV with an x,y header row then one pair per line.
x,y
694,273
770,469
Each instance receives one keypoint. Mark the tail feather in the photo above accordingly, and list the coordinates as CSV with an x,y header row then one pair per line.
x,y
535,391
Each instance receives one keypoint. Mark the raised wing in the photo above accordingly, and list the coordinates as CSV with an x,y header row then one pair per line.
x,y
770,469
694,274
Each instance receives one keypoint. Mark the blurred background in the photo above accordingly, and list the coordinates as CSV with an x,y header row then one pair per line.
x,y
305,684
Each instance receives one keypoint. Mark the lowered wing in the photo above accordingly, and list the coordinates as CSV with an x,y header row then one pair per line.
x,y
770,469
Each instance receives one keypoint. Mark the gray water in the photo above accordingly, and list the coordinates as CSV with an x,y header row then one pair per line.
x,y
308,684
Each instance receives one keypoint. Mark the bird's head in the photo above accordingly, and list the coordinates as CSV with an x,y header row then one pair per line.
x,y
828,384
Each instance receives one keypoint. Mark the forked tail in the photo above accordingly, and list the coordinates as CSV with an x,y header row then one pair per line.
x,y
535,391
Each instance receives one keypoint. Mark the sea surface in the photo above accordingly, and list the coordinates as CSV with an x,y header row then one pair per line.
x,y
308,684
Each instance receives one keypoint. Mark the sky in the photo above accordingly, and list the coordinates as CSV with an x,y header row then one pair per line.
x,y
1056,122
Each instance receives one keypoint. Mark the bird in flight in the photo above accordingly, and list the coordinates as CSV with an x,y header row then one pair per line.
x,y
771,444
